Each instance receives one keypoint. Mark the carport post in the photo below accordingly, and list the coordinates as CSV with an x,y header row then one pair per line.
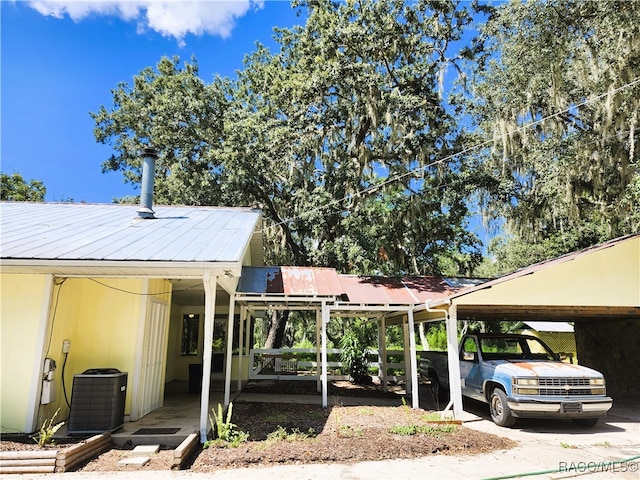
x,y
227,375
382,352
241,350
325,320
408,375
455,387
415,401
209,312
318,349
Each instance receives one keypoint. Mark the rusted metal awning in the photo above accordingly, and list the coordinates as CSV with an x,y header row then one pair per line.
x,y
312,284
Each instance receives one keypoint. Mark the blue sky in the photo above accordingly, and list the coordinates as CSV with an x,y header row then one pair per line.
x,y
60,60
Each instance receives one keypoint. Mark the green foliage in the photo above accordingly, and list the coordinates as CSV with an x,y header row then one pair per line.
x,y
437,337
227,434
411,428
15,188
347,431
433,430
45,436
334,135
571,180
355,347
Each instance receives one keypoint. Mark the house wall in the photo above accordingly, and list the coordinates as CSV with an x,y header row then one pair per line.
x,y
102,324
607,277
103,320
24,301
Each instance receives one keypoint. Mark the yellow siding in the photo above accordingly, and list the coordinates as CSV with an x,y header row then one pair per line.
x,y
608,277
102,322
21,310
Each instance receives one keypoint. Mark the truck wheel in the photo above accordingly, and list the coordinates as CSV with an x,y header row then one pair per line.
x,y
585,422
500,411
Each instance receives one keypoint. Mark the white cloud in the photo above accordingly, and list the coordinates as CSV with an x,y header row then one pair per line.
x,y
175,18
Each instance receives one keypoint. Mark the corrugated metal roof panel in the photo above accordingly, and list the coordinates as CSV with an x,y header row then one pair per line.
x,y
394,290
310,281
296,281
362,290
50,231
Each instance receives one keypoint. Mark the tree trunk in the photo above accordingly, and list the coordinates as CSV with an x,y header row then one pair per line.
x,y
276,330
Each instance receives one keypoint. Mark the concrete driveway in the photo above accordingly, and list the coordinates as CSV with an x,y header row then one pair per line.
x,y
563,446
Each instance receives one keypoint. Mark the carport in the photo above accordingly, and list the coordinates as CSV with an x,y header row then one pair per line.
x,y
385,300
597,288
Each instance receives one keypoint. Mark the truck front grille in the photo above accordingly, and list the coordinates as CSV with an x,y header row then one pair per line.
x,y
558,386
566,387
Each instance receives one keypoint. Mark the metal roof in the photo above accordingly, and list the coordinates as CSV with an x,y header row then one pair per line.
x,y
309,283
92,232
298,281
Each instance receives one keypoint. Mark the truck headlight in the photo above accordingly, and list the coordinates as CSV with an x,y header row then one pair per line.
x,y
527,391
527,381
596,381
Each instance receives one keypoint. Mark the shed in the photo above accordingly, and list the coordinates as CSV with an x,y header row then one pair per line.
x,y
558,336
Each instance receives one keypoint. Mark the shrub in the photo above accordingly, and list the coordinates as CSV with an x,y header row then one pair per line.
x,y
227,434
47,431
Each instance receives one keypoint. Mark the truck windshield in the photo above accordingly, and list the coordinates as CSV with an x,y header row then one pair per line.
x,y
514,348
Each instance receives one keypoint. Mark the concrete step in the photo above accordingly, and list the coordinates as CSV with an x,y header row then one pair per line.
x,y
120,439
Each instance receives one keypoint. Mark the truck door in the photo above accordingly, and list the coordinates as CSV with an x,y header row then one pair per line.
x,y
470,371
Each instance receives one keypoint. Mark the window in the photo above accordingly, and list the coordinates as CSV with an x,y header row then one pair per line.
x,y
190,327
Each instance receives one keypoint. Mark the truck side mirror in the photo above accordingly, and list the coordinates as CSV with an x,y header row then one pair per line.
x,y
469,356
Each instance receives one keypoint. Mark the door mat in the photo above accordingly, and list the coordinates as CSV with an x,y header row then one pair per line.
x,y
156,431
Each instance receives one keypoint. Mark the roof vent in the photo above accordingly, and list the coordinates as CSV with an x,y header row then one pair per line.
x,y
149,156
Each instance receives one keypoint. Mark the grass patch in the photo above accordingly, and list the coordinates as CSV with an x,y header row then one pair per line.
x,y
433,430
347,431
280,434
567,445
276,417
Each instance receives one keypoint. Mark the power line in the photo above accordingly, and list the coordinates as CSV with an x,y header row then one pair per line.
x,y
144,294
480,145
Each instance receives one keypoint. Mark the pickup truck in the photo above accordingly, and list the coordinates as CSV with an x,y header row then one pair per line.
x,y
519,376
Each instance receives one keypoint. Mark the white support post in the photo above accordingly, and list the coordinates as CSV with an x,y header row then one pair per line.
x,y
415,401
382,353
209,313
227,375
325,320
407,361
241,350
455,387
318,349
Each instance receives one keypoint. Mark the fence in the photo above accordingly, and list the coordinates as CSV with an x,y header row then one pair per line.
x,y
302,364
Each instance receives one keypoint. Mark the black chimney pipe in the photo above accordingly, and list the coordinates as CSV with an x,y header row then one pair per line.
x,y
149,156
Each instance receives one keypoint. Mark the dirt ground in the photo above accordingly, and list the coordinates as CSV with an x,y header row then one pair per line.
x,y
312,434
